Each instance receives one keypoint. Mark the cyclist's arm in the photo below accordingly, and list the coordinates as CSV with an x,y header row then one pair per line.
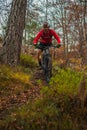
x,y
56,36
37,37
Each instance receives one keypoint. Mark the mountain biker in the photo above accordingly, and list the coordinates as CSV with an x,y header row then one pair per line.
x,y
45,37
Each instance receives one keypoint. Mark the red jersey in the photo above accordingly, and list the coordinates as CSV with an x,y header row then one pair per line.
x,y
46,37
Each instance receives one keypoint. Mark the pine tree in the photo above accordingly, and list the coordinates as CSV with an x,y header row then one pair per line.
x,y
10,52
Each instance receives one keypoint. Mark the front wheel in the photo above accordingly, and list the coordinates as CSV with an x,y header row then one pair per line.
x,y
48,69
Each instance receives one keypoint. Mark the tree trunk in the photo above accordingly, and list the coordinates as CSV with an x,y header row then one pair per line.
x,y
10,52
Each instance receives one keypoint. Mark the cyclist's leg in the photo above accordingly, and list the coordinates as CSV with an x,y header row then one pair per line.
x,y
40,49
39,56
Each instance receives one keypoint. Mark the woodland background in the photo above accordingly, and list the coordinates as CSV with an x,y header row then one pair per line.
x,y
68,18
26,101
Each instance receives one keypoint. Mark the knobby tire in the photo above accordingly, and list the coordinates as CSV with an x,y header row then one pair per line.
x,y
48,68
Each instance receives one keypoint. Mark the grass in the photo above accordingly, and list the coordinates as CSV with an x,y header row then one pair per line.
x,y
10,77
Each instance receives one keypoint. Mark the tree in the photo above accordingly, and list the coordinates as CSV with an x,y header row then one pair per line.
x,y
10,52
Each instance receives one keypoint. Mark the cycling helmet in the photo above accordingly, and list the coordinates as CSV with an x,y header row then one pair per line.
x,y
46,25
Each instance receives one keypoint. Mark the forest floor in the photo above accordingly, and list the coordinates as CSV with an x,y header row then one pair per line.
x,y
13,99
19,86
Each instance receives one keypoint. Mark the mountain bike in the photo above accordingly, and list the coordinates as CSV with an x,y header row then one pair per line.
x,y
46,62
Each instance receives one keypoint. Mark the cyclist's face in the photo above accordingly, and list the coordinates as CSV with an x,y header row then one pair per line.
x,y
46,29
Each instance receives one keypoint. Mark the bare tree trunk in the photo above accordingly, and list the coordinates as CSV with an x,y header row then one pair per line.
x,y
10,53
63,30
85,9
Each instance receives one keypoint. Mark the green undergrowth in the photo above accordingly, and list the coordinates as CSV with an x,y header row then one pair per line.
x,y
58,106
27,61
52,111
66,80
18,77
10,77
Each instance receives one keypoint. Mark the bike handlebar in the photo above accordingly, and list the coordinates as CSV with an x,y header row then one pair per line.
x,y
55,46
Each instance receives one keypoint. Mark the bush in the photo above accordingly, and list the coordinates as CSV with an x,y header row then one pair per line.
x,y
66,81
27,61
